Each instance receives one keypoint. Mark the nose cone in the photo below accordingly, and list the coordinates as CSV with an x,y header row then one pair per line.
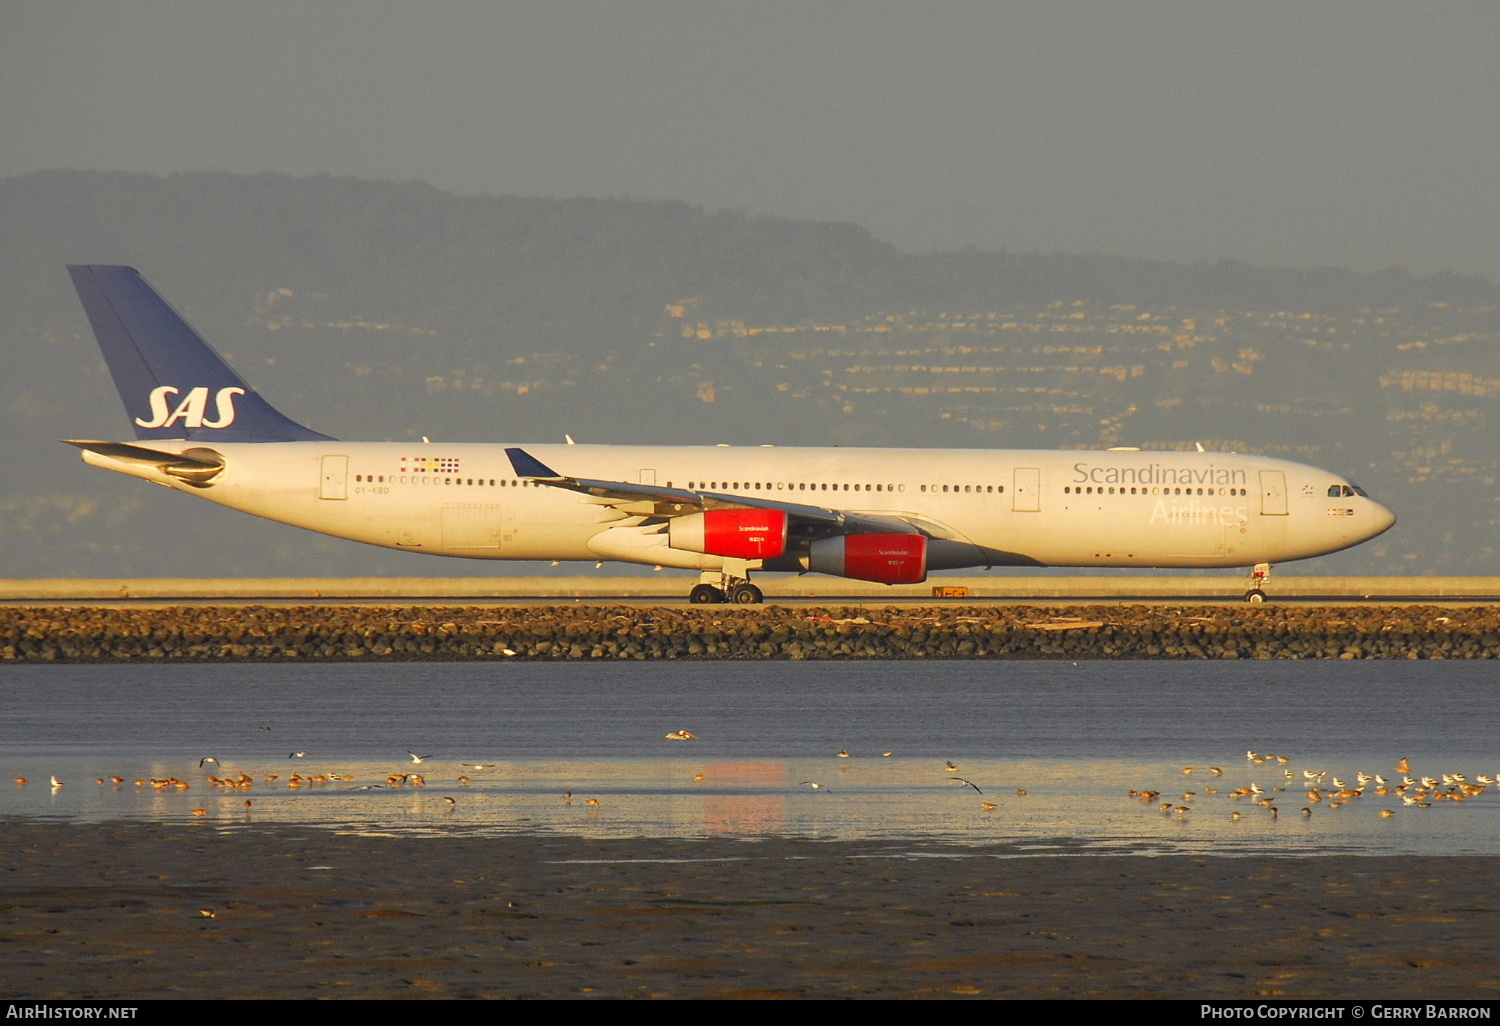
x,y
1381,520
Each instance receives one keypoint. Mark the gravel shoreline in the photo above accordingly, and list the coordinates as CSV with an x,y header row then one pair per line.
x,y
338,633
117,910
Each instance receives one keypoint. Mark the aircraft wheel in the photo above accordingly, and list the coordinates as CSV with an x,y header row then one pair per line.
x,y
1255,596
705,595
746,595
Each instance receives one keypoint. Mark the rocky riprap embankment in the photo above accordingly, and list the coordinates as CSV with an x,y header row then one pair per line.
x,y
302,633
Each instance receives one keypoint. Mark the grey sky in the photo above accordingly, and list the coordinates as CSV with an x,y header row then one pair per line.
x,y
1358,134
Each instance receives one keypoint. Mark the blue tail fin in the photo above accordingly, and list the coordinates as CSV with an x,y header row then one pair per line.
x,y
173,385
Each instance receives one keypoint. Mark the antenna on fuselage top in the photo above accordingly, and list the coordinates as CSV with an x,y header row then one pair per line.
x,y
1200,446
569,439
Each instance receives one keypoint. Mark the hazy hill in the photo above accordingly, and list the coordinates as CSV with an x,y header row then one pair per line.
x,y
383,310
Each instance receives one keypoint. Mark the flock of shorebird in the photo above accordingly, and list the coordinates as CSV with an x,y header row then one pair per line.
x,y
1319,786
242,781
1322,788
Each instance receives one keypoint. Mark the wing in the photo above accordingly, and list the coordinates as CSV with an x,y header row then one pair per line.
x,y
639,500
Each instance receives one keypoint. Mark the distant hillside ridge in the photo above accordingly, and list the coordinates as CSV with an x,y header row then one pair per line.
x,y
572,273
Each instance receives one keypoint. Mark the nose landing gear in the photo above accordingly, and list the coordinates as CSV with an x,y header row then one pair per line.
x,y
1260,575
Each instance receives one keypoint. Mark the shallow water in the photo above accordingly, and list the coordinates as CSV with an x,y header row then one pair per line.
x,y
1075,738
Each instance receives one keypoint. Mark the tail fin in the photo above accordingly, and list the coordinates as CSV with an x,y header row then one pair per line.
x,y
173,385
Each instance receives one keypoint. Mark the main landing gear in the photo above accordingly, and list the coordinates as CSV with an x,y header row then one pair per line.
x,y
715,587
1260,575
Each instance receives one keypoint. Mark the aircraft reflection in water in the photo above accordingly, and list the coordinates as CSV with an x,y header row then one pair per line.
x,y
883,515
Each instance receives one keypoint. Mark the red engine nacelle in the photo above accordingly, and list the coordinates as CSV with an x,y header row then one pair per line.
x,y
738,533
884,558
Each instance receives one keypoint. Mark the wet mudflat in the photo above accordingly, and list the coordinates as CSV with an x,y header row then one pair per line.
x,y
118,910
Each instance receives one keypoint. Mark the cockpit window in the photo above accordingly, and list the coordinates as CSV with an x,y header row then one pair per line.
x,y
1360,491
1345,491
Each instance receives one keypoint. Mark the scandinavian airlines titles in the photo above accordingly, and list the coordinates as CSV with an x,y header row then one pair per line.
x,y
1156,474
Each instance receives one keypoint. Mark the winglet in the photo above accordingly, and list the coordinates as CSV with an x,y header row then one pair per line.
x,y
527,465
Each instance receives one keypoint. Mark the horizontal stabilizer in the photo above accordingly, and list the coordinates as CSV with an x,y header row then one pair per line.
x,y
197,466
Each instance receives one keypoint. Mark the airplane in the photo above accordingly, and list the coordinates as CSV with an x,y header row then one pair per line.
x,y
884,515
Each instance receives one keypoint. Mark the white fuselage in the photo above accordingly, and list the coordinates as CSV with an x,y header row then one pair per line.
x,y
980,508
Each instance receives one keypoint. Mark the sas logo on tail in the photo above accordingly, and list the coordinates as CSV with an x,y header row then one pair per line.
x,y
190,411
